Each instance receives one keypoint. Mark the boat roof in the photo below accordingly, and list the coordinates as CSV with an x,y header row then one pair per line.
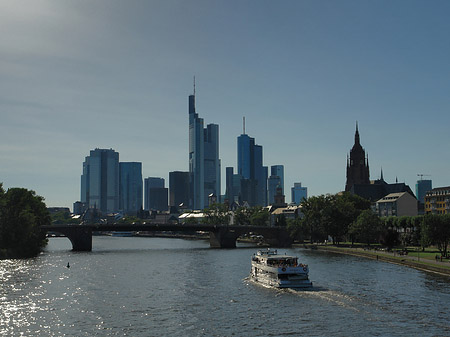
x,y
273,254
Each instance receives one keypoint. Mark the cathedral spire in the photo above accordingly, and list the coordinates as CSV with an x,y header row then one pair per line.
x,y
356,134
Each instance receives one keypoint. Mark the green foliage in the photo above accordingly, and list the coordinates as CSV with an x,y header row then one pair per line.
x,y
243,215
436,230
131,220
61,218
280,220
298,229
252,216
367,228
329,215
216,214
260,217
22,212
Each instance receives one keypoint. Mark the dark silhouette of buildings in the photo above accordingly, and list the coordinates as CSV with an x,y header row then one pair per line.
x,y
357,165
358,181
179,189
204,162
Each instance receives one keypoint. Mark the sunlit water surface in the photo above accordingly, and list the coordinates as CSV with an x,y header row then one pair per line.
x,y
174,287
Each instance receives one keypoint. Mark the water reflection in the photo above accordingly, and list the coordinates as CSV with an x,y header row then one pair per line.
x,y
155,286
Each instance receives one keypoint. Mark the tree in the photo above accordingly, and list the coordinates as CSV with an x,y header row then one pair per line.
x,y
22,213
436,230
243,215
216,214
260,217
366,228
316,216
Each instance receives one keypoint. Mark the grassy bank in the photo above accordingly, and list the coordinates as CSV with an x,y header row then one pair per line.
x,y
415,261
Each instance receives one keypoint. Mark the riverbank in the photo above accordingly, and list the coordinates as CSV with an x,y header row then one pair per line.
x,y
442,268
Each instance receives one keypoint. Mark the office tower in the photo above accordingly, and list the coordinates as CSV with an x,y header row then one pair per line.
x,y
298,193
158,199
274,182
204,163
229,172
100,180
179,189
278,170
155,194
357,165
130,191
422,187
252,171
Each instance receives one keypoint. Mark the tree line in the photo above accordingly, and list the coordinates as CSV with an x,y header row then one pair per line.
x,y
22,212
346,217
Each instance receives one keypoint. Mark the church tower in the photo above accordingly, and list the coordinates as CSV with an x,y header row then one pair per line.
x,y
357,165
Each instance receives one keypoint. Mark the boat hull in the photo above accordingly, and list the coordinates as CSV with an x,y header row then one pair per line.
x,y
294,277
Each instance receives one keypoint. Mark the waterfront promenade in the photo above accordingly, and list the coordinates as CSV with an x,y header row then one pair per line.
x,y
411,259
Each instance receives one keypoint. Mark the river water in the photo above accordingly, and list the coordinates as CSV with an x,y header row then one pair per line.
x,y
174,287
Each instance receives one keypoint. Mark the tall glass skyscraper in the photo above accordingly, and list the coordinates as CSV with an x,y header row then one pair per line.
x,y
278,170
100,180
298,193
130,192
204,163
178,189
155,194
250,168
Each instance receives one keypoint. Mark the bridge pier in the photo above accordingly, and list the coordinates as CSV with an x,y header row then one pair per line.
x,y
81,238
223,238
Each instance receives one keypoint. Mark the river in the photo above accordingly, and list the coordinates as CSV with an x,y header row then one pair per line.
x,y
173,287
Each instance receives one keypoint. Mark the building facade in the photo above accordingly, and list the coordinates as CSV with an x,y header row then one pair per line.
x,y
397,204
204,163
437,201
278,170
155,196
179,189
130,189
100,180
357,165
252,171
298,192
273,182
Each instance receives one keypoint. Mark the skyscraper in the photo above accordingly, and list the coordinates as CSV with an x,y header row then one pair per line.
x,y
100,180
422,187
130,191
204,163
298,193
278,170
274,182
155,194
250,168
178,188
357,165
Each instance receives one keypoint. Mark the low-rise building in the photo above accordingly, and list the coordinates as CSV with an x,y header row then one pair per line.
x,y
437,201
397,204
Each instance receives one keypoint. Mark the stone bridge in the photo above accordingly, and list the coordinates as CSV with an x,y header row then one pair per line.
x,y
221,236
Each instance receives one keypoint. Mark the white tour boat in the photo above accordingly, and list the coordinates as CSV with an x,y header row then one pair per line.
x,y
280,271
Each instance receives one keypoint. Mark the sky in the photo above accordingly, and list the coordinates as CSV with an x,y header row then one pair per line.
x,y
80,75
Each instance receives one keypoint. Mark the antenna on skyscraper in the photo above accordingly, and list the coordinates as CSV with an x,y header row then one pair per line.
x,y
194,85
243,122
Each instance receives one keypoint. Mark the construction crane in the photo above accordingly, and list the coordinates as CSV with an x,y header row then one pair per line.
x,y
423,175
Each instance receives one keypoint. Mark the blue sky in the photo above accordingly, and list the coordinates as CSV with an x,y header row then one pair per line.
x,y
77,75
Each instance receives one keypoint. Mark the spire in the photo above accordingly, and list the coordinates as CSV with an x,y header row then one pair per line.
x,y
382,179
194,85
243,122
356,134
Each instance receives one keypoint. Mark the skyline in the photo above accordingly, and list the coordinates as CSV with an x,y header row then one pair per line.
x,y
77,76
